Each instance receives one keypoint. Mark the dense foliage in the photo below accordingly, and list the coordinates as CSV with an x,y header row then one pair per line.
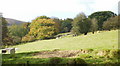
x,y
42,17
18,31
77,22
4,28
6,40
111,23
94,25
28,38
43,28
84,26
101,17
81,24
66,25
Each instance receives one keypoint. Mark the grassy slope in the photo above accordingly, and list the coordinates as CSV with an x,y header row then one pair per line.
x,y
103,40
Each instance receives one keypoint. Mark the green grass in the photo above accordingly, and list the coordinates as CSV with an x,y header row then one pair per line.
x,y
22,58
102,40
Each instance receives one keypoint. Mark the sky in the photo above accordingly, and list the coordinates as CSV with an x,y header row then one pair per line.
x,y
27,10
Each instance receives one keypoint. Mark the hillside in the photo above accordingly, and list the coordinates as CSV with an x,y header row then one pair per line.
x,y
13,21
102,40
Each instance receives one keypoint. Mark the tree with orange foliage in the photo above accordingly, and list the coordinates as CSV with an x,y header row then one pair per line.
x,y
43,28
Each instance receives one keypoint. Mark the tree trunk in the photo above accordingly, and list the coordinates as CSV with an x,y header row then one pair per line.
x,y
93,32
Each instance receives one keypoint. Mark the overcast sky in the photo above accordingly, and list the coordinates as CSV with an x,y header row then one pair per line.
x,y
27,10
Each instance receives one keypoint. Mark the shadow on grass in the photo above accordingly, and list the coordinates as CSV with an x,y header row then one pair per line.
x,y
27,59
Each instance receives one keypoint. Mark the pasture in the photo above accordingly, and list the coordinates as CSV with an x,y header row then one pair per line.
x,y
102,40
98,48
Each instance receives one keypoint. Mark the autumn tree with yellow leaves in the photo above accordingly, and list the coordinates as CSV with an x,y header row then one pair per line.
x,y
43,28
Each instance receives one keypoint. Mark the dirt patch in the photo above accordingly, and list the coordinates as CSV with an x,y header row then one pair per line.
x,y
58,53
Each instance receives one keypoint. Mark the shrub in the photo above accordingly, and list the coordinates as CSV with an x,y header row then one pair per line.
x,y
28,38
104,53
8,41
90,50
85,56
16,39
54,60
77,61
115,54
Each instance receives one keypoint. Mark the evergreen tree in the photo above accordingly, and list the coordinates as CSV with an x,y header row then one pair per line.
x,y
6,40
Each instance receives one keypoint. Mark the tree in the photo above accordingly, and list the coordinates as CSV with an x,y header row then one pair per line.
x,y
18,30
6,40
77,22
94,25
4,28
57,25
42,17
66,25
43,28
111,23
85,26
101,17
26,26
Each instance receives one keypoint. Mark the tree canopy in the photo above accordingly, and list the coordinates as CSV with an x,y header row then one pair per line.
x,y
43,28
94,25
111,23
79,24
18,30
66,25
101,16
6,40
42,17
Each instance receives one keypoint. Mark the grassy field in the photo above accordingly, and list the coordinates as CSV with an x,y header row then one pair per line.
x,y
100,48
102,40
